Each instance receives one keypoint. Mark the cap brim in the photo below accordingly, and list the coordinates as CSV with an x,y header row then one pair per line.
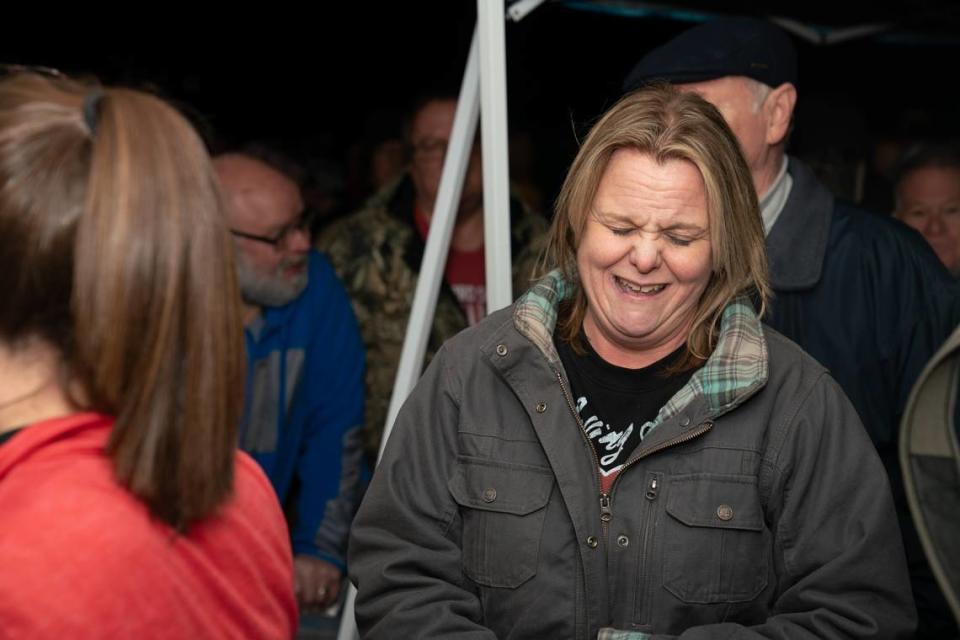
x,y
644,78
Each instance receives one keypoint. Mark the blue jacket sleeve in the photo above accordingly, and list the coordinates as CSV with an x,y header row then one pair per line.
x,y
331,468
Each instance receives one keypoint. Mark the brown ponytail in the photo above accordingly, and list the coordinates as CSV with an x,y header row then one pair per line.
x,y
155,336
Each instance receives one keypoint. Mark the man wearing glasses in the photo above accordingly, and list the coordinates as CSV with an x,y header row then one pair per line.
x,y
304,390
377,252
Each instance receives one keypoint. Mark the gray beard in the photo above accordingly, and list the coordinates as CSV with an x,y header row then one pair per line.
x,y
269,290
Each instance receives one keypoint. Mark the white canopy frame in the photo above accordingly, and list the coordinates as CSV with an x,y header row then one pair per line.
x,y
484,83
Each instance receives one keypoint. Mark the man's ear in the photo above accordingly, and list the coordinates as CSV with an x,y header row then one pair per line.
x,y
778,109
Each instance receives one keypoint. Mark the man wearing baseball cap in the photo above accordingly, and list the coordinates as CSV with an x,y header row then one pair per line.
x,y
861,293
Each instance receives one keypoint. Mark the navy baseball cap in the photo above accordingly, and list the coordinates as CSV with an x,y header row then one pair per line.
x,y
726,47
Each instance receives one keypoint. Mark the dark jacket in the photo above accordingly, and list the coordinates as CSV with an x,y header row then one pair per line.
x,y
866,296
754,508
862,294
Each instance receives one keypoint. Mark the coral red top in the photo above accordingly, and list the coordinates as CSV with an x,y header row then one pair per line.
x,y
81,557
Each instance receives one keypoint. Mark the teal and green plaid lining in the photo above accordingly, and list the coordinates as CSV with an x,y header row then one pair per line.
x,y
607,633
735,370
535,315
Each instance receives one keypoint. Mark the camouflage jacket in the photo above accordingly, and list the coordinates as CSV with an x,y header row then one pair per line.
x,y
377,252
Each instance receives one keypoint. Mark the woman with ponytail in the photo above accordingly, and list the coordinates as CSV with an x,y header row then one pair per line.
x,y
125,509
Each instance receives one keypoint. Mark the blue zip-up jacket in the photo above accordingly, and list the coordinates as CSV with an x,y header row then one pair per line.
x,y
309,446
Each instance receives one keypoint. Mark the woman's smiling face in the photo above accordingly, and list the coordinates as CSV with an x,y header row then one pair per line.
x,y
644,258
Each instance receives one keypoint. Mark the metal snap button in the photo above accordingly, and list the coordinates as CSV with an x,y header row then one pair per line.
x,y
501,350
685,421
623,540
592,542
541,407
489,495
725,512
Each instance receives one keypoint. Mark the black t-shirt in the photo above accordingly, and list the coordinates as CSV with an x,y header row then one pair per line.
x,y
615,403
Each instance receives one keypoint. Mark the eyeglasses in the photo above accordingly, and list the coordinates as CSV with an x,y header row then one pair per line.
x,y
285,235
429,149
434,149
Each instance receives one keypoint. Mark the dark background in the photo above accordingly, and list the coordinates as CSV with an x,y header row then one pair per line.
x,y
320,79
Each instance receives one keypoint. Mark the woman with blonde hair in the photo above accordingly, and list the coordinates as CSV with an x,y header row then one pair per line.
x,y
626,452
125,510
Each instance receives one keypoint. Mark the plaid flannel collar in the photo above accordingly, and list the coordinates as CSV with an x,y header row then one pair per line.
x,y
735,370
609,633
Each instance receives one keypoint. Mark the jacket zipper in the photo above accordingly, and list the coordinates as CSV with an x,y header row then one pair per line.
x,y
649,515
651,495
606,514
606,511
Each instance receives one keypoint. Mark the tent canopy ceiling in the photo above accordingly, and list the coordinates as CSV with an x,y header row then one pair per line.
x,y
904,21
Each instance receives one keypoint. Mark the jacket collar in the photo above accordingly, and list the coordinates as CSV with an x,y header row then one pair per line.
x,y
797,244
737,368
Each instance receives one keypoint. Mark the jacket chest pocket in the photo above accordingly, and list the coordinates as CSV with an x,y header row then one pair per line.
x,y
503,508
716,546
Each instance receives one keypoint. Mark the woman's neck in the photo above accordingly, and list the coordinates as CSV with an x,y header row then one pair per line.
x,y
30,388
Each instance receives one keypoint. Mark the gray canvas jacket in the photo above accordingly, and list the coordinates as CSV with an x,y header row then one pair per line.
x,y
755,507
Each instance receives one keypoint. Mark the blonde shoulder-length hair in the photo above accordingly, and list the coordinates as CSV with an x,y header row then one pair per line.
x,y
669,125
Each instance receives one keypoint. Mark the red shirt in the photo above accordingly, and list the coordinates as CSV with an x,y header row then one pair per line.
x,y
80,556
465,273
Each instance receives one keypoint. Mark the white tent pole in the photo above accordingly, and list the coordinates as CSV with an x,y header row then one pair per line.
x,y
431,268
438,241
348,621
496,174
